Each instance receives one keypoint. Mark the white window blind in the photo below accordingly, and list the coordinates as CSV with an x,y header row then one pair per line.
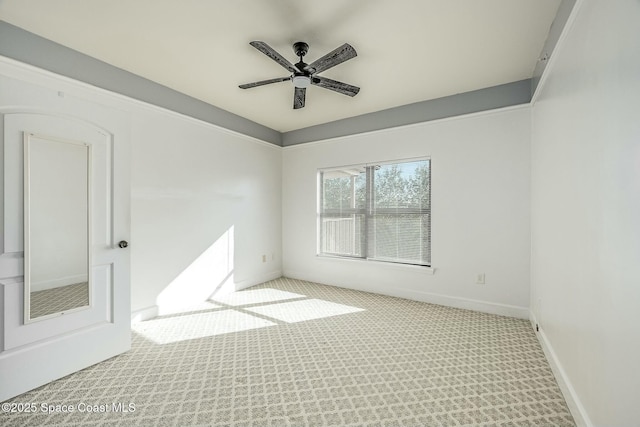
x,y
379,211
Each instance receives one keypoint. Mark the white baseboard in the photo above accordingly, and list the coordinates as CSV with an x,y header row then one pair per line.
x,y
144,314
244,284
570,396
467,304
446,300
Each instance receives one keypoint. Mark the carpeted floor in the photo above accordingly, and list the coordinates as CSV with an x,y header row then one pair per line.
x,y
294,353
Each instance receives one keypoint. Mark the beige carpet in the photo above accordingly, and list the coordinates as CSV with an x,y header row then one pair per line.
x,y
293,353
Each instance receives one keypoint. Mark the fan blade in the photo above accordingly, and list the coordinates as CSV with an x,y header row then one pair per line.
x,y
335,85
271,53
264,82
331,59
298,97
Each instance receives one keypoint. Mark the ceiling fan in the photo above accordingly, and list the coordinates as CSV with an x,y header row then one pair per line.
x,y
303,75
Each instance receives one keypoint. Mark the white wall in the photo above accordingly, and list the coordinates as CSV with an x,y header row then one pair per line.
x,y
586,212
205,209
206,202
480,211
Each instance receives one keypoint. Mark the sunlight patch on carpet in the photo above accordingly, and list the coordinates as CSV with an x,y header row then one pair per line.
x,y
202,306
198,325
300,311
256,296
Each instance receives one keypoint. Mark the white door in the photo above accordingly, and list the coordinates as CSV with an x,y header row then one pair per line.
x,y
61,232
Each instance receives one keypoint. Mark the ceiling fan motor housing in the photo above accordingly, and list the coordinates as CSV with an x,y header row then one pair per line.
x,y
301,79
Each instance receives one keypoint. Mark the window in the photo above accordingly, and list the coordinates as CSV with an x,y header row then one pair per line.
x,y
379,212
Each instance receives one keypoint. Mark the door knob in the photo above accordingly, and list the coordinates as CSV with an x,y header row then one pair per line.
x,y
123,244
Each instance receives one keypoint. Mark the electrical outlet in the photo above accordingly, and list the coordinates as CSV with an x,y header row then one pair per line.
x,y
264,258
480,279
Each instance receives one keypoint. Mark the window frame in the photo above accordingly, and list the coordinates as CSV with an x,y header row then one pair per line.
x,y
368,211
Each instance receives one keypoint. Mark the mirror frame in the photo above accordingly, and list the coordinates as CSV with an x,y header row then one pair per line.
x,y
27,137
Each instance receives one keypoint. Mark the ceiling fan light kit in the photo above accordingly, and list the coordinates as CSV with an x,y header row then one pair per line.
x,y
304,75
301,81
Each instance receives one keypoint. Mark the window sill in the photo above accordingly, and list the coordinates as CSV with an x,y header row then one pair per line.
x,y
390,265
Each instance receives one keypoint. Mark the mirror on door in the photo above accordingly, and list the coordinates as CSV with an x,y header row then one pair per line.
x,y
57,232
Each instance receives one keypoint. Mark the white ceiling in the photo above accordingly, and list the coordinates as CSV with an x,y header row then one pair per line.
x,y
408,50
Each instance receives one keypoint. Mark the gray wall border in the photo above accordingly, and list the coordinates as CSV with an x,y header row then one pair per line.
x,y
557,27
29,48
23,46
506,95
